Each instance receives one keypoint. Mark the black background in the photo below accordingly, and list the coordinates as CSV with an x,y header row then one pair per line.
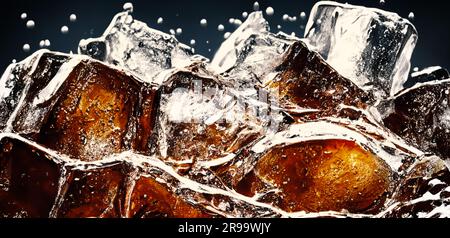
x,y
431,20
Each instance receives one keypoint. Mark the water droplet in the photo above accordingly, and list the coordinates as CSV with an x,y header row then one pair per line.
x,y
278,27
73,18
14,61
160,21
179,31
42,43
256,6
237,22
26,48
292,19
226,35
192,42
245,14
64,29
293,34
285,17
220,27
23,16
411,16
382,2
207,42
303,15
128,7
30,24
172,31
231,20
270,11
203,22
47,43
209,50
416,69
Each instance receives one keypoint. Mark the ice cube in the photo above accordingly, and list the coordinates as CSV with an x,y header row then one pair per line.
x,y
82,107
424,113
133,45
28,180
370,46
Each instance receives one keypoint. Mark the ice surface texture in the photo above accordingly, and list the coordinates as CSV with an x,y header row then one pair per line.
x,y
369,46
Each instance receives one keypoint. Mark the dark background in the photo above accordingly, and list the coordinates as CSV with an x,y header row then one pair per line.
x,y
431,20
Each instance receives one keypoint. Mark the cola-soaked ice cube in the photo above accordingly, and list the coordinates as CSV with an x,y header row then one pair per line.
x,y
371,47
17,78
424,191
95,192
150,199
133,45
28,180
201,119
306,80
427,75
251,53
421,116
314,167
85,109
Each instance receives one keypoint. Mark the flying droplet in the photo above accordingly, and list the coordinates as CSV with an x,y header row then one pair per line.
x,y
64,29
231,20
245,14
382,2
285,17
278,27
172,31
256,6
292,19
293,34
47,43
192,42
416,69
303,15
30,24
26,48
226,35
160,21
411,16
237,22
203,22
23,16
73,18
220,27
128,7
270,11
179,31
207,42
42,43
14,61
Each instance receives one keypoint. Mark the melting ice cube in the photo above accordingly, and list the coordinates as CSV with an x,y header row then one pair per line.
x,y
370,46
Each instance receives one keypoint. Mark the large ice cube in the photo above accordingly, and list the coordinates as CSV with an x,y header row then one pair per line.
x,y
369,46
133,45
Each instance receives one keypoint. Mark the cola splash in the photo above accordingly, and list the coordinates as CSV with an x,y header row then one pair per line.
x,y
137,125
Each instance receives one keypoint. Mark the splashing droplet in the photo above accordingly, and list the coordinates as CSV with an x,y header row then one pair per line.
x,y
23,16
220,27
172,31
411,16
47,43
73,18
30,24
382,2
270,11
245,14
64,29
26,48
303,15
42,43
179,31
226,35
192,42
256,6
203,22
128,7
416,69
160,21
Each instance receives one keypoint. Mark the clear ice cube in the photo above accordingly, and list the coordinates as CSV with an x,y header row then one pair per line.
x,y
370,46
133,45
